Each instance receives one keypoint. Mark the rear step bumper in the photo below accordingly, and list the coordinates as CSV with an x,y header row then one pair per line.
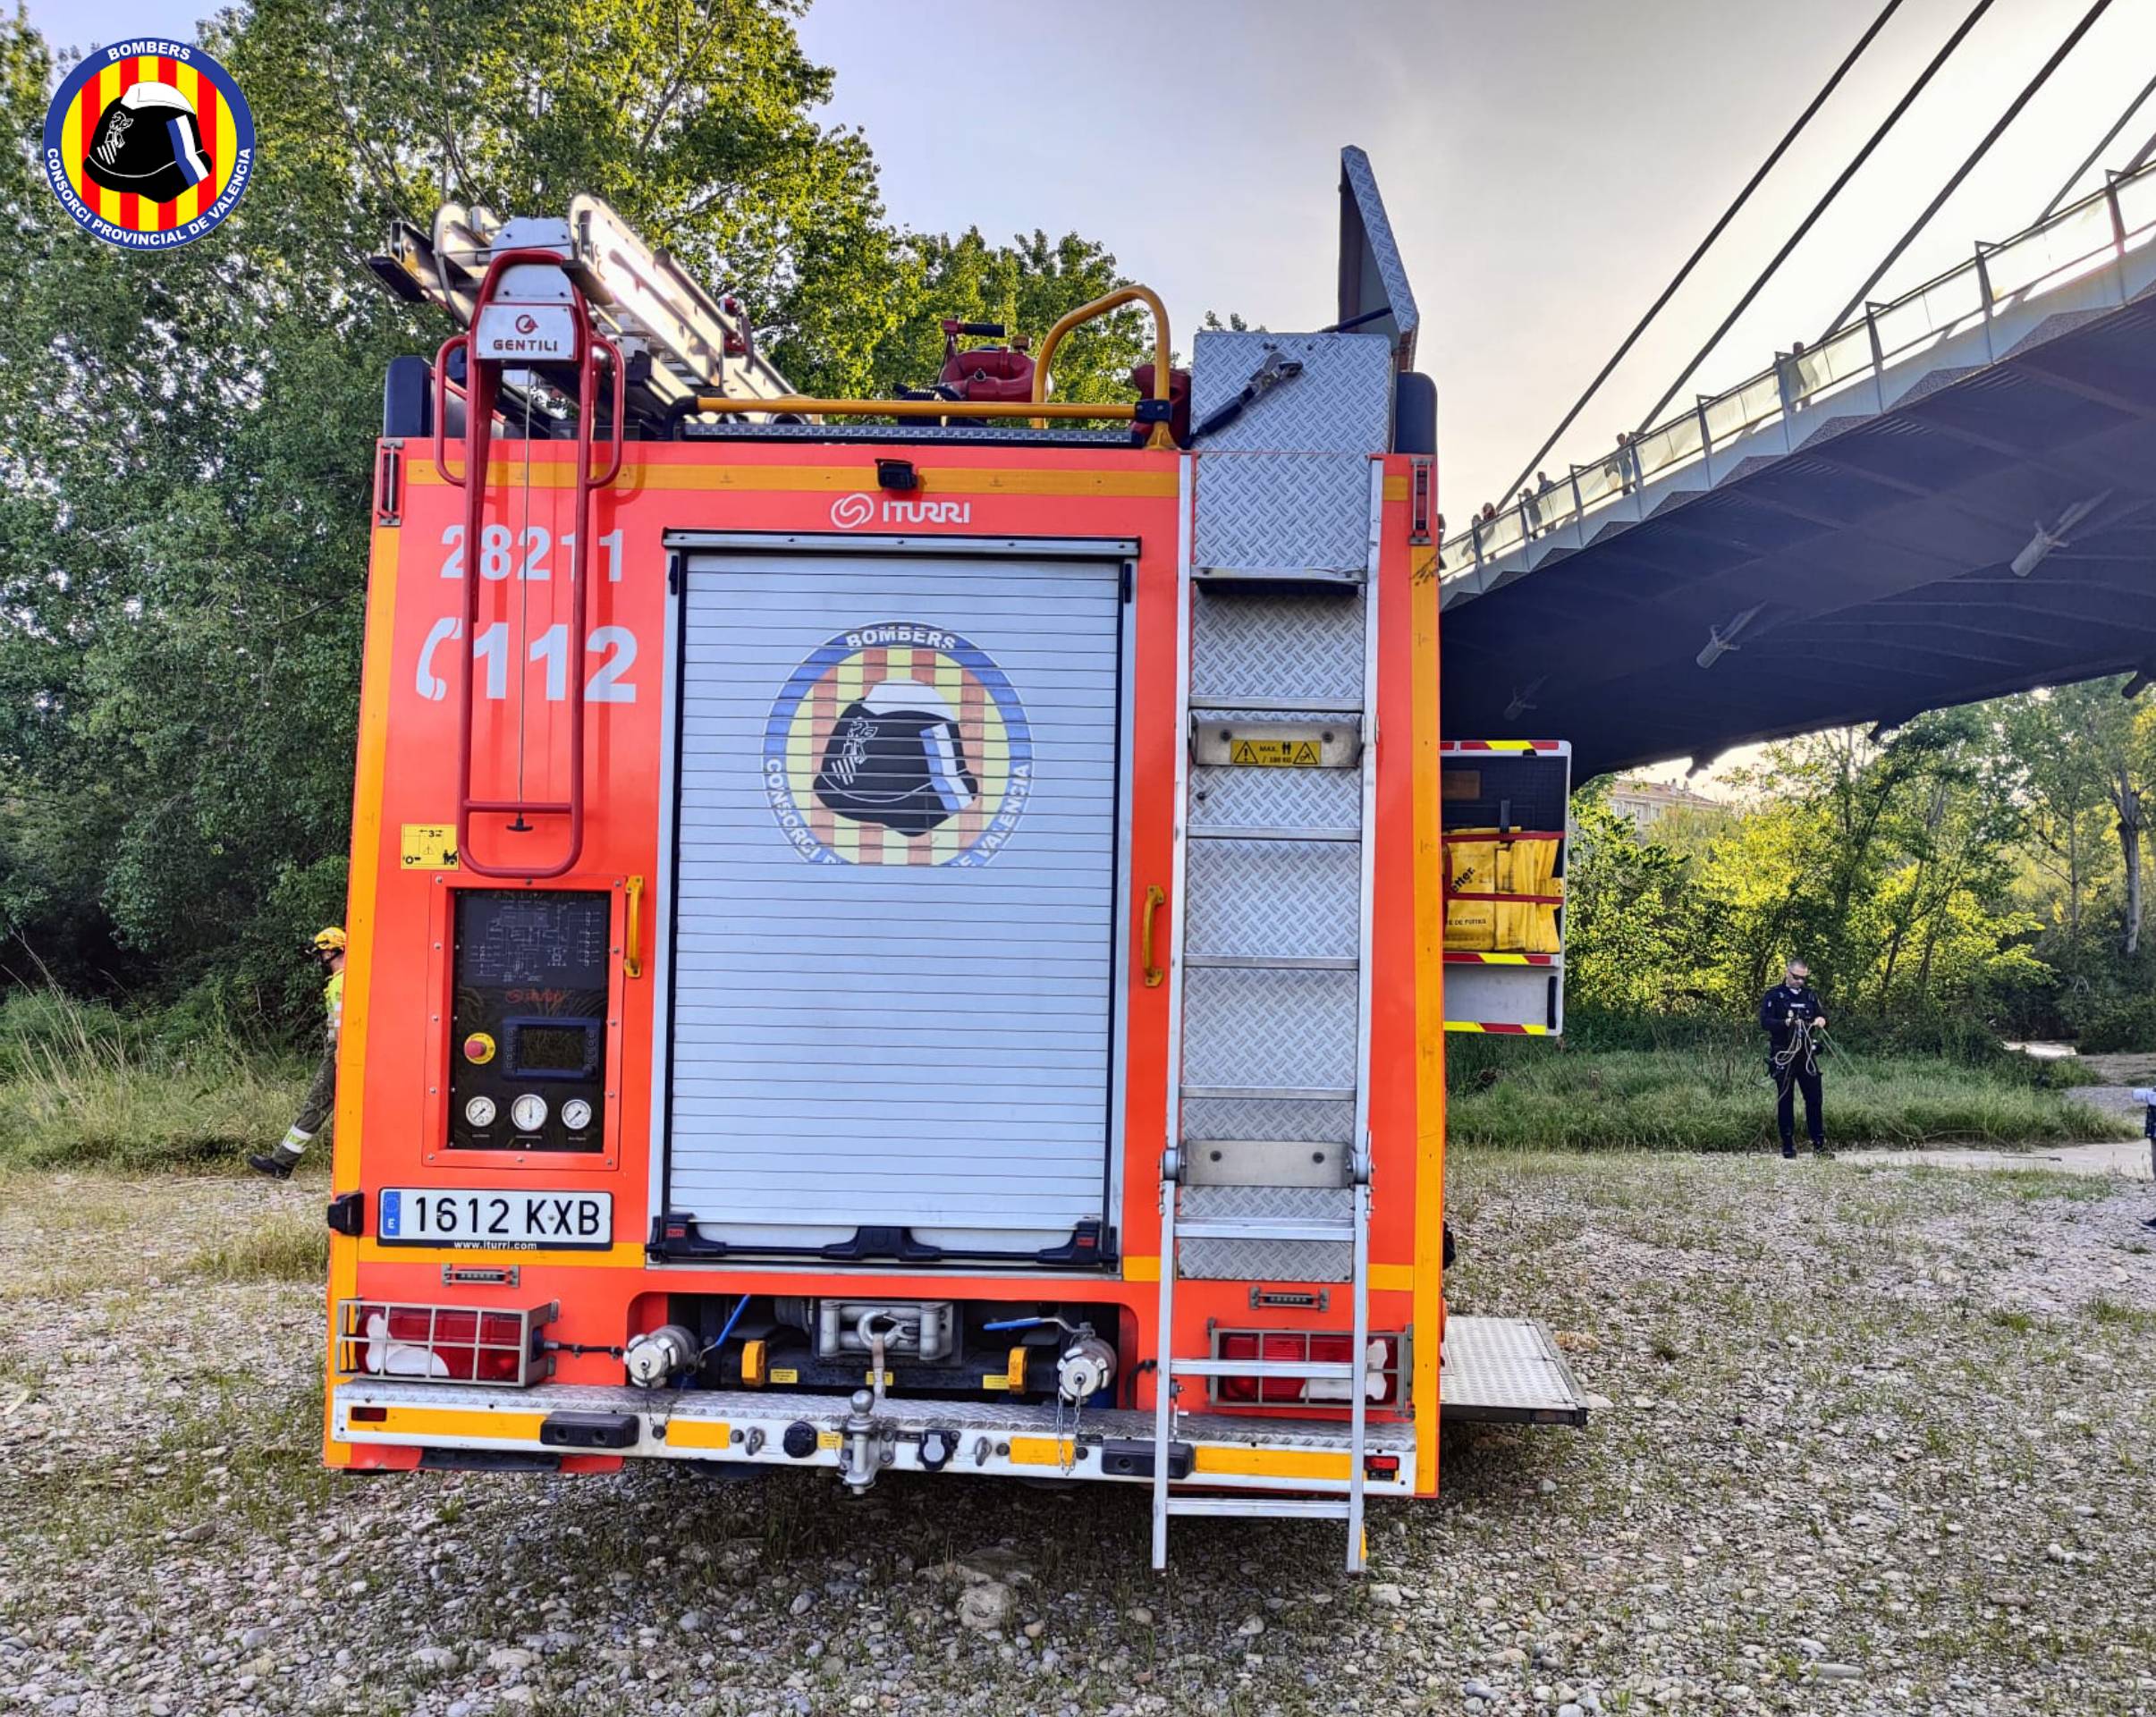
x,y
769,1428
1506,1371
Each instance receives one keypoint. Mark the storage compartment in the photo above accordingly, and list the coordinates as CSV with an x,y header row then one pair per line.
x,y
896,804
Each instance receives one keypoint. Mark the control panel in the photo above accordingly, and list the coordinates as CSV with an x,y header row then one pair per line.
x,y
528,1026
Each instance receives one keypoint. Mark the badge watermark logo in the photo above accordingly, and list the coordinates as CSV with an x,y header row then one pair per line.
x,y
898,744
148,144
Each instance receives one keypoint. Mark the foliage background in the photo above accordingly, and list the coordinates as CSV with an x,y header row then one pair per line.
x,y
185,443
185,439
1977,873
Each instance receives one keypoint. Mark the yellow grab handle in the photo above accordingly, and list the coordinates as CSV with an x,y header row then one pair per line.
x,y
1159,436
1156,897
632,953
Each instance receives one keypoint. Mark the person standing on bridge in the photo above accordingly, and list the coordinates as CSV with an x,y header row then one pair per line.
x,y
1795,1022
322,1093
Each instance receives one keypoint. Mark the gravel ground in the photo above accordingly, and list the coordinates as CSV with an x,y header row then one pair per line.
x,y
1878,1441
2122,1075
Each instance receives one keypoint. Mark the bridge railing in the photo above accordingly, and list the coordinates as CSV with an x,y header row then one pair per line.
x,y
2080,240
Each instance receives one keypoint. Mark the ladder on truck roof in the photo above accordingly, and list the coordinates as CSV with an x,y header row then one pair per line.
x,y
580,321
1267,1176
676,339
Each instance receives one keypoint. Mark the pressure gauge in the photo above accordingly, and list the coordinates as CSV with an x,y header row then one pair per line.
x,y
529,1112
576,1114
480,1111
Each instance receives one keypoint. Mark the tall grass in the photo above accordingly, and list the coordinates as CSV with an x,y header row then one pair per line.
x,y
1717,1098
281,1245
82,1085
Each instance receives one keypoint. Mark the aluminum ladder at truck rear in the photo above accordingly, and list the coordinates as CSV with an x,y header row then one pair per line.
x,y
1267,1175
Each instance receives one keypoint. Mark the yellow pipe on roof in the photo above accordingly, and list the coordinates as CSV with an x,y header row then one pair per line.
x,y
727,405
1122,295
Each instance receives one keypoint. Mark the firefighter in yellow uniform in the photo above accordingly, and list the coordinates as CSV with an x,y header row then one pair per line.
x,y
322,1095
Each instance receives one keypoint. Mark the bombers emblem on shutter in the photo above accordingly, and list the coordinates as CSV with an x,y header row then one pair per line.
x,y
898,744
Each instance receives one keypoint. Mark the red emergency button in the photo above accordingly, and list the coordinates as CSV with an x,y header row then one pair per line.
x,y
479,1048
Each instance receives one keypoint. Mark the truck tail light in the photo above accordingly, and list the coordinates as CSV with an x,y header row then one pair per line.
x,y
1298,1346
443,1344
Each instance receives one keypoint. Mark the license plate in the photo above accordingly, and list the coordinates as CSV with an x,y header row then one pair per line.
x,y
489,1216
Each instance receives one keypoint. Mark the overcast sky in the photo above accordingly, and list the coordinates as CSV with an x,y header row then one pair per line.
x,y
1548,163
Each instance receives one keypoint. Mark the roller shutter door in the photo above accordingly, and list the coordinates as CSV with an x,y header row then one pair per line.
x,y
891,971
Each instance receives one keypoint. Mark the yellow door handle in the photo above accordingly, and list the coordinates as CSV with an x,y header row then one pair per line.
x,y
1156,897
632,950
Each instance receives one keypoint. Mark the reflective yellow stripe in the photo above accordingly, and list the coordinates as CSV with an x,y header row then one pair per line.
x,y
449,1422
698,1433
1524,1031
841,480
1141,1269
1271,1463
1426,774
625,1256
1042,1451
1397,488
359,940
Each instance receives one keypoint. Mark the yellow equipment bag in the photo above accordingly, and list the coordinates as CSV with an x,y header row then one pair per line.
x,y
1527,867
1473,868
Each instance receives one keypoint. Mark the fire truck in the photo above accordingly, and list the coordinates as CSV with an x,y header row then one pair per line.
x,y
916,937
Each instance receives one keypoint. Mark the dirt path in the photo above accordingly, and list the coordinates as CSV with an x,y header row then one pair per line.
x,y
2126,1158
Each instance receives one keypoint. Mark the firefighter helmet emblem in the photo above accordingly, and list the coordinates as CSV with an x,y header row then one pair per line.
x,y
898,744
148,144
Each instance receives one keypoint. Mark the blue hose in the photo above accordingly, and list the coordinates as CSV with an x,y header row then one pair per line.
x,y
730,1322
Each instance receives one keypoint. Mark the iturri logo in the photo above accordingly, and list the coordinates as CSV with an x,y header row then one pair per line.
x,y
900,744
851,512
148,144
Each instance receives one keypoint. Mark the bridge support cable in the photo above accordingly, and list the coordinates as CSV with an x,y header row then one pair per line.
x,y
1819,208
2110,137
1705,244
1991,137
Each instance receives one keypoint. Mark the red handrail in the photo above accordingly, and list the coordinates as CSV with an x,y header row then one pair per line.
x,y
481,378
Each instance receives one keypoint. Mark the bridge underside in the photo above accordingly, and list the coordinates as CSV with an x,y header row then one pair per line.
x,y
1877,556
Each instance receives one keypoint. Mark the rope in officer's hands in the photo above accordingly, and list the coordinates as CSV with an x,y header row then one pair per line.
x,y
1801,1055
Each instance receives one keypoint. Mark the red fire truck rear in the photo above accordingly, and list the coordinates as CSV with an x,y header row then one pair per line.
x,y
916,936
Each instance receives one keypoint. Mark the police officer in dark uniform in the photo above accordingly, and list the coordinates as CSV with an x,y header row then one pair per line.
x,y
1792,1016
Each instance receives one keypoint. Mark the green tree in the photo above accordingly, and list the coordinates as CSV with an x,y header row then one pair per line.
x,y
1631,929
185,439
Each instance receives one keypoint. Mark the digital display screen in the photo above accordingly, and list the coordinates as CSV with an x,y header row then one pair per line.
x,y
552,1049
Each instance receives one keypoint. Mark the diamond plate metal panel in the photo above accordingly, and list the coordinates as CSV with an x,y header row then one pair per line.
x,y
1341,404
1287,899
1309,511
1377,228
1322,1123
1503,1368
1269,1029
1276,647
1268,1260
1276,799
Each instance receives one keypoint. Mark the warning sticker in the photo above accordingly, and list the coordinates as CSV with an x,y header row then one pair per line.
x,y
830,1440
1275,754
429,846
